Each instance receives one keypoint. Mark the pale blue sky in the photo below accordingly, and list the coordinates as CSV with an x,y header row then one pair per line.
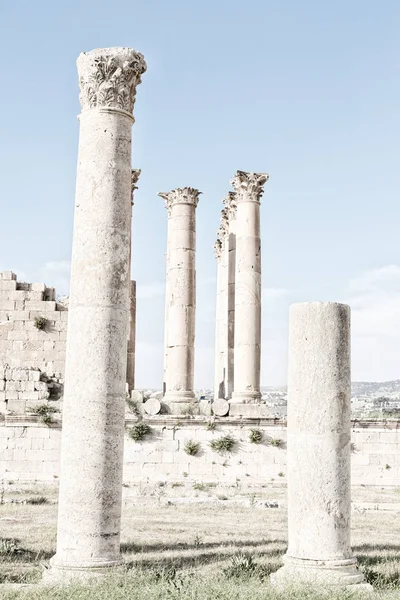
x,y
307,91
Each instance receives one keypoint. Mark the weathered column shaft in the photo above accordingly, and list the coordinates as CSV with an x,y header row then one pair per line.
x,y
318,447
89,511
130,369
247,332
181,297
221,249
231,243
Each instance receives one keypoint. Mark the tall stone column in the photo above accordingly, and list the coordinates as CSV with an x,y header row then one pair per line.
x,y
248,187
89,511
230,203
221,249
181,297
318,447
130,367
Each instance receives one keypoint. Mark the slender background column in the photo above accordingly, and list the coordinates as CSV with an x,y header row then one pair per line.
x,y
230,203
130,367
89,511
181,297
248,187
318,447
221,249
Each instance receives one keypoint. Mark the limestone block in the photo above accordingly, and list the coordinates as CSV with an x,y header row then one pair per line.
x,y
50,293
2,385
20,375
38,287
17,335
12,395
3,406
13,386
8,285
255,411
16,406
30,395
32,296
205,408
7,305
7,276
45,306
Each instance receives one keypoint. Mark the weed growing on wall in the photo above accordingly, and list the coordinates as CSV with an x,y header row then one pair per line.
x,y
139,431
40,323
211,425
191,447
45,412
276,442
225,443
256,436
36,500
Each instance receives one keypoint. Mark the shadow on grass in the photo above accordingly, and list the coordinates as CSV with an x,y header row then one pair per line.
x,y
380,564
11,552
144,548
197,555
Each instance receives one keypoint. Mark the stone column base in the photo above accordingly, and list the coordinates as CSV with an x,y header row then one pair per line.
x,y
59,573
179,402
340,573
247,397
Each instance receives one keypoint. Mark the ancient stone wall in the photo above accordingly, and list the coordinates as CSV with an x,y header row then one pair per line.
x,y
33,333
30,451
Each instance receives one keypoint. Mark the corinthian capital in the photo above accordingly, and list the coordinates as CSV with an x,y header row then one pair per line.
x,y
249,186
134,179
218,249
186,195
224,225
230,203
108,78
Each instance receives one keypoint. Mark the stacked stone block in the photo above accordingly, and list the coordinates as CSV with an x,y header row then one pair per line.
x,y
22,344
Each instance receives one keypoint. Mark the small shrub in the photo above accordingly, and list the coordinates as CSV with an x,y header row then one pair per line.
x,y
241,566
139,431
37,500
281,474
40,323
44,412
176,484
223,444
211,425
191,447
256,436
200,487
185,474
9,547
132,406
387,467
276,442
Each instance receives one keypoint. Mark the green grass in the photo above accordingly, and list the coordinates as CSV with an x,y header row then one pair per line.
x,y
199,551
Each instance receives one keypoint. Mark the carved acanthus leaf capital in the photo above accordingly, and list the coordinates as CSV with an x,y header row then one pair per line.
x,y
218,249
134,179
108,78
186,195
249,186
230,203
224,225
